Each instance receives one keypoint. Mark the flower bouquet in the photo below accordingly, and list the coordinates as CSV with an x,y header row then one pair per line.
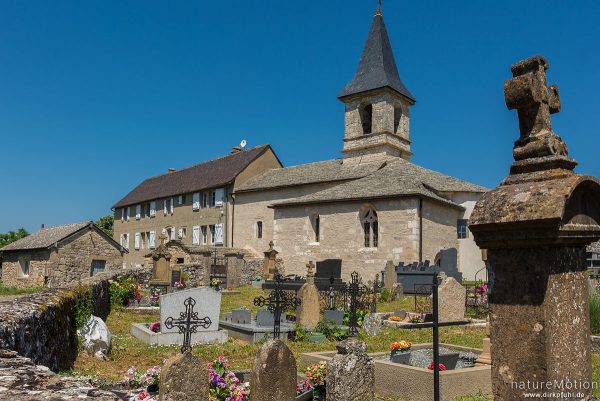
x,y
224,384
154,327
400,352
215,283
179,285
316,375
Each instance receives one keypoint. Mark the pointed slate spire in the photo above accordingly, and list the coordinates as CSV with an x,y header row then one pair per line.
x,y
377,68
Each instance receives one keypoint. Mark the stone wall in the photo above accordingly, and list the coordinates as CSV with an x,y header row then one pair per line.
x,y
42,326
61,267
22,380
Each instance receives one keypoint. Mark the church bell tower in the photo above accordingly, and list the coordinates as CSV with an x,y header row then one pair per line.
x,y
376,101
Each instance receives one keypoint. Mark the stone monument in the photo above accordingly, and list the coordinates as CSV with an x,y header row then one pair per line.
x,y
535,227
269,264
181,379
274,373
351,373
390,279
309,311
452,297
161,266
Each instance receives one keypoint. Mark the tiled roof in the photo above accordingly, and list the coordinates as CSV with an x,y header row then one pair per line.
x,y
397,178
210,174
377,68
311,173
46,237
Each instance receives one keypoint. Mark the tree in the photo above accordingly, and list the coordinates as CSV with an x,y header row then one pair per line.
x,y
107,224
12,236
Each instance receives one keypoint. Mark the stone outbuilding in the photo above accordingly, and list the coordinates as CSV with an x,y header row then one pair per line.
x,y
60,256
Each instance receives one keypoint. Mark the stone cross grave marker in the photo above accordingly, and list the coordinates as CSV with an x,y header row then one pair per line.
x,y
452,298
535,226
201,302
309,310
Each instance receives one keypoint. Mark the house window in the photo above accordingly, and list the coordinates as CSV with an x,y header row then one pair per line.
x,y
125,241
97,267
371,229
366,117
213,198
152,208
196,235
138,212
196,201
204,235
181,233
461,229
181,199
24,263
152,239
259,229
397,117
212,234
179,261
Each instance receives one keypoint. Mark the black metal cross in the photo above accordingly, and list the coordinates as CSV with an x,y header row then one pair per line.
x,y
277,302
355,290
188,323
331,293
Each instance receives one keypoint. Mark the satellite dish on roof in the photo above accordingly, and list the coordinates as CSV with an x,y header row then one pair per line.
x,y
243,144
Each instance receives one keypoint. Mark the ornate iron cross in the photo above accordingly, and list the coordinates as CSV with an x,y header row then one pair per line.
x,y
277,302
188,323
355,290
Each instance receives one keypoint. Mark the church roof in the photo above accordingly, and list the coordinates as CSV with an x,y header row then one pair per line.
x,y
396,179
213,173
377,67
311,173
49,236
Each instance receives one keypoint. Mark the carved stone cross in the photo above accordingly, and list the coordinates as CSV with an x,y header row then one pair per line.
x,y
528,93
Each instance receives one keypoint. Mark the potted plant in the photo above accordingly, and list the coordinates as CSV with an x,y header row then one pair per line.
x,y
178,285
400,352
154,327
215,283
316,375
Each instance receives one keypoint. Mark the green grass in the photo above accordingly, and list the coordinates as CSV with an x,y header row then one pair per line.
x,y
595,312
8,291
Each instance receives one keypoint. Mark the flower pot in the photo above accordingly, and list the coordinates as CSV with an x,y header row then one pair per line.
x,y
305,397
400,357
153,388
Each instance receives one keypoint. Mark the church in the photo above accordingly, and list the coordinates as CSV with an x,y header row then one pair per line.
x,y
372,204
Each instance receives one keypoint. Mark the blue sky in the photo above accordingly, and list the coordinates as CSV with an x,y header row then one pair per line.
x,y
95,96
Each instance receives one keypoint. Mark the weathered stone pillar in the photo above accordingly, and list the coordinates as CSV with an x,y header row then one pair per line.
x,y
351,373
206,261
184,378
274,373
390,278
270,262
535,227
309,310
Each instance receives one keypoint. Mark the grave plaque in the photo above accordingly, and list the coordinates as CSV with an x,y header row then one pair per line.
x,y
240,316
175,277
328,268
208,304
335,316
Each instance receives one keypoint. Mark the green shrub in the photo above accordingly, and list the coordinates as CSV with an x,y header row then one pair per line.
x,y
386,295
360,315
300,334
331,331
121,290
595,312
83,306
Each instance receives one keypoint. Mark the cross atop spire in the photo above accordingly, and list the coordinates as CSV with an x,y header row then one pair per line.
x,y
377,68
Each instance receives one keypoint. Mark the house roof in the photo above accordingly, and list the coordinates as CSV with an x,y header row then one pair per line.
x,y
377,67
311,173
49,236
209,174
397,178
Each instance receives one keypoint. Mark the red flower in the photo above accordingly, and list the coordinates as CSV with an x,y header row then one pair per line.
x,y
441,366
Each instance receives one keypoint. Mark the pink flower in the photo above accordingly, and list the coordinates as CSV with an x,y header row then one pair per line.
x,y
143,395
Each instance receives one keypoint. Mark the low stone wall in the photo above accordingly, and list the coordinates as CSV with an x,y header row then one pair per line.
x,y
42,326
22,380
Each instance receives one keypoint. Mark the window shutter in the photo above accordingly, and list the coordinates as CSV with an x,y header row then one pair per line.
x,y
173,231
218,234
180,233
196,201
164,231
196,235
136,242
152,208
138,212
126,238
121,240
122,214
152,240
204,237
171,205
219,196
128,213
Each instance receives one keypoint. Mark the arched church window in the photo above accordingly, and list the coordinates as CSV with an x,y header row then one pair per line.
x,y
371,229
366,117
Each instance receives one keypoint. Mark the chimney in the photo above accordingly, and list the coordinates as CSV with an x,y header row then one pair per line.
x,y
42,227
171,170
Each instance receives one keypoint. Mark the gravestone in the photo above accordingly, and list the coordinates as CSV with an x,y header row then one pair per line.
x,y
161,266
207,304
329,268
452,297
97,339
335,316
184,378
309,311
372,324
266,318
235,262
274,373
398,290
390,279
536,226
240,316
351,373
